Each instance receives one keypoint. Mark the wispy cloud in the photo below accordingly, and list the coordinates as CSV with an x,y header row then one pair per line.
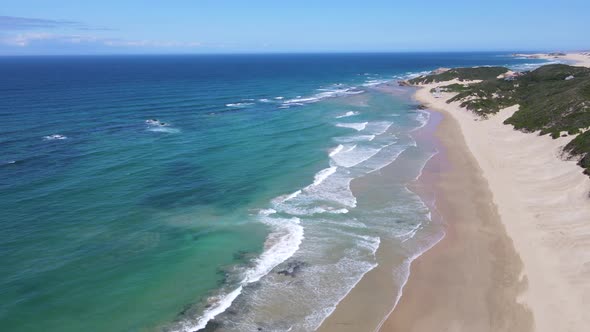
x,y
32,33
150,43
30,38
25,39
24,23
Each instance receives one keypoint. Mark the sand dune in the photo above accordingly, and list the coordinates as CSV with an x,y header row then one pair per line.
x,y
544,204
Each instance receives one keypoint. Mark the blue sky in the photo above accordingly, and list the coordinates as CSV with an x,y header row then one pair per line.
x,y
260,26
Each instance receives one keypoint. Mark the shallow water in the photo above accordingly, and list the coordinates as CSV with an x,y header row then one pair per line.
x,y
154,193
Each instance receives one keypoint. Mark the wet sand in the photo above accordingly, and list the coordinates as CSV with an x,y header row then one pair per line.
x,y
471,280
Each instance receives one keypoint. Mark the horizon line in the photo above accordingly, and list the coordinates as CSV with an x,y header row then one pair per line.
x,y
288,53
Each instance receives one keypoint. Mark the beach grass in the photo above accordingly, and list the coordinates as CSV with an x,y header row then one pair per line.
x,y
553,99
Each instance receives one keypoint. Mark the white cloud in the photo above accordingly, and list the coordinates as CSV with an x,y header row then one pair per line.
x,y
26,39
149,43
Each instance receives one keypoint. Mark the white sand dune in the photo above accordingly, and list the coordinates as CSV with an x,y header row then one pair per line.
x,y
544,203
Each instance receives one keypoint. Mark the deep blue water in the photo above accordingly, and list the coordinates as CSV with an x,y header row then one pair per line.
x,y
112,223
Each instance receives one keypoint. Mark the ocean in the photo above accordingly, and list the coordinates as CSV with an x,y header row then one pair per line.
x,y
237,192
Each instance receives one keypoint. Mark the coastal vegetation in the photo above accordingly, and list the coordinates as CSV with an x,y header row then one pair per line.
x,y
462,74
553,99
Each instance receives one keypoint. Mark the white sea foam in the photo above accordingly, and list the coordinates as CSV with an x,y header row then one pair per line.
x,y
282,243
330,197
402,272
410,74
221,303
356,126
169,130
336,150
293,195
239,105
322,175
379,127
422,117
158,126
325,93
358,138
267,212
353,155
54,137
279,98
315,320
329,193
347,114
532,65
264,100
156,123
339,211
375,82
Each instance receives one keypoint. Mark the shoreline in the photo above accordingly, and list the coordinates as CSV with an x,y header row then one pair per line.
x,y
471,279
498,284
542,202
575,59
373,298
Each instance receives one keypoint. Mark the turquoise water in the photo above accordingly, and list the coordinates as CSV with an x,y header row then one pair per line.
x,y
114,221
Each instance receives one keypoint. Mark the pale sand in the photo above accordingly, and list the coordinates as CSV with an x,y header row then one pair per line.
x,y
576,59
471,280
543,202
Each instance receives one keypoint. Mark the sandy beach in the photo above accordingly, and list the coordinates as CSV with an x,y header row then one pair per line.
x,y
543,203
516,253
576,59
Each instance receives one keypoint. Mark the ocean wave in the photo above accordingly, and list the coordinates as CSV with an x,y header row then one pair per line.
x,y
325,93
378,127
239,105
330,262
357,138
322,175
375,82
422,117
329,193
328,197
354,155
158,126
356,126
347,114
169,130
219,304
532,65
336,150
54,137
283,241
